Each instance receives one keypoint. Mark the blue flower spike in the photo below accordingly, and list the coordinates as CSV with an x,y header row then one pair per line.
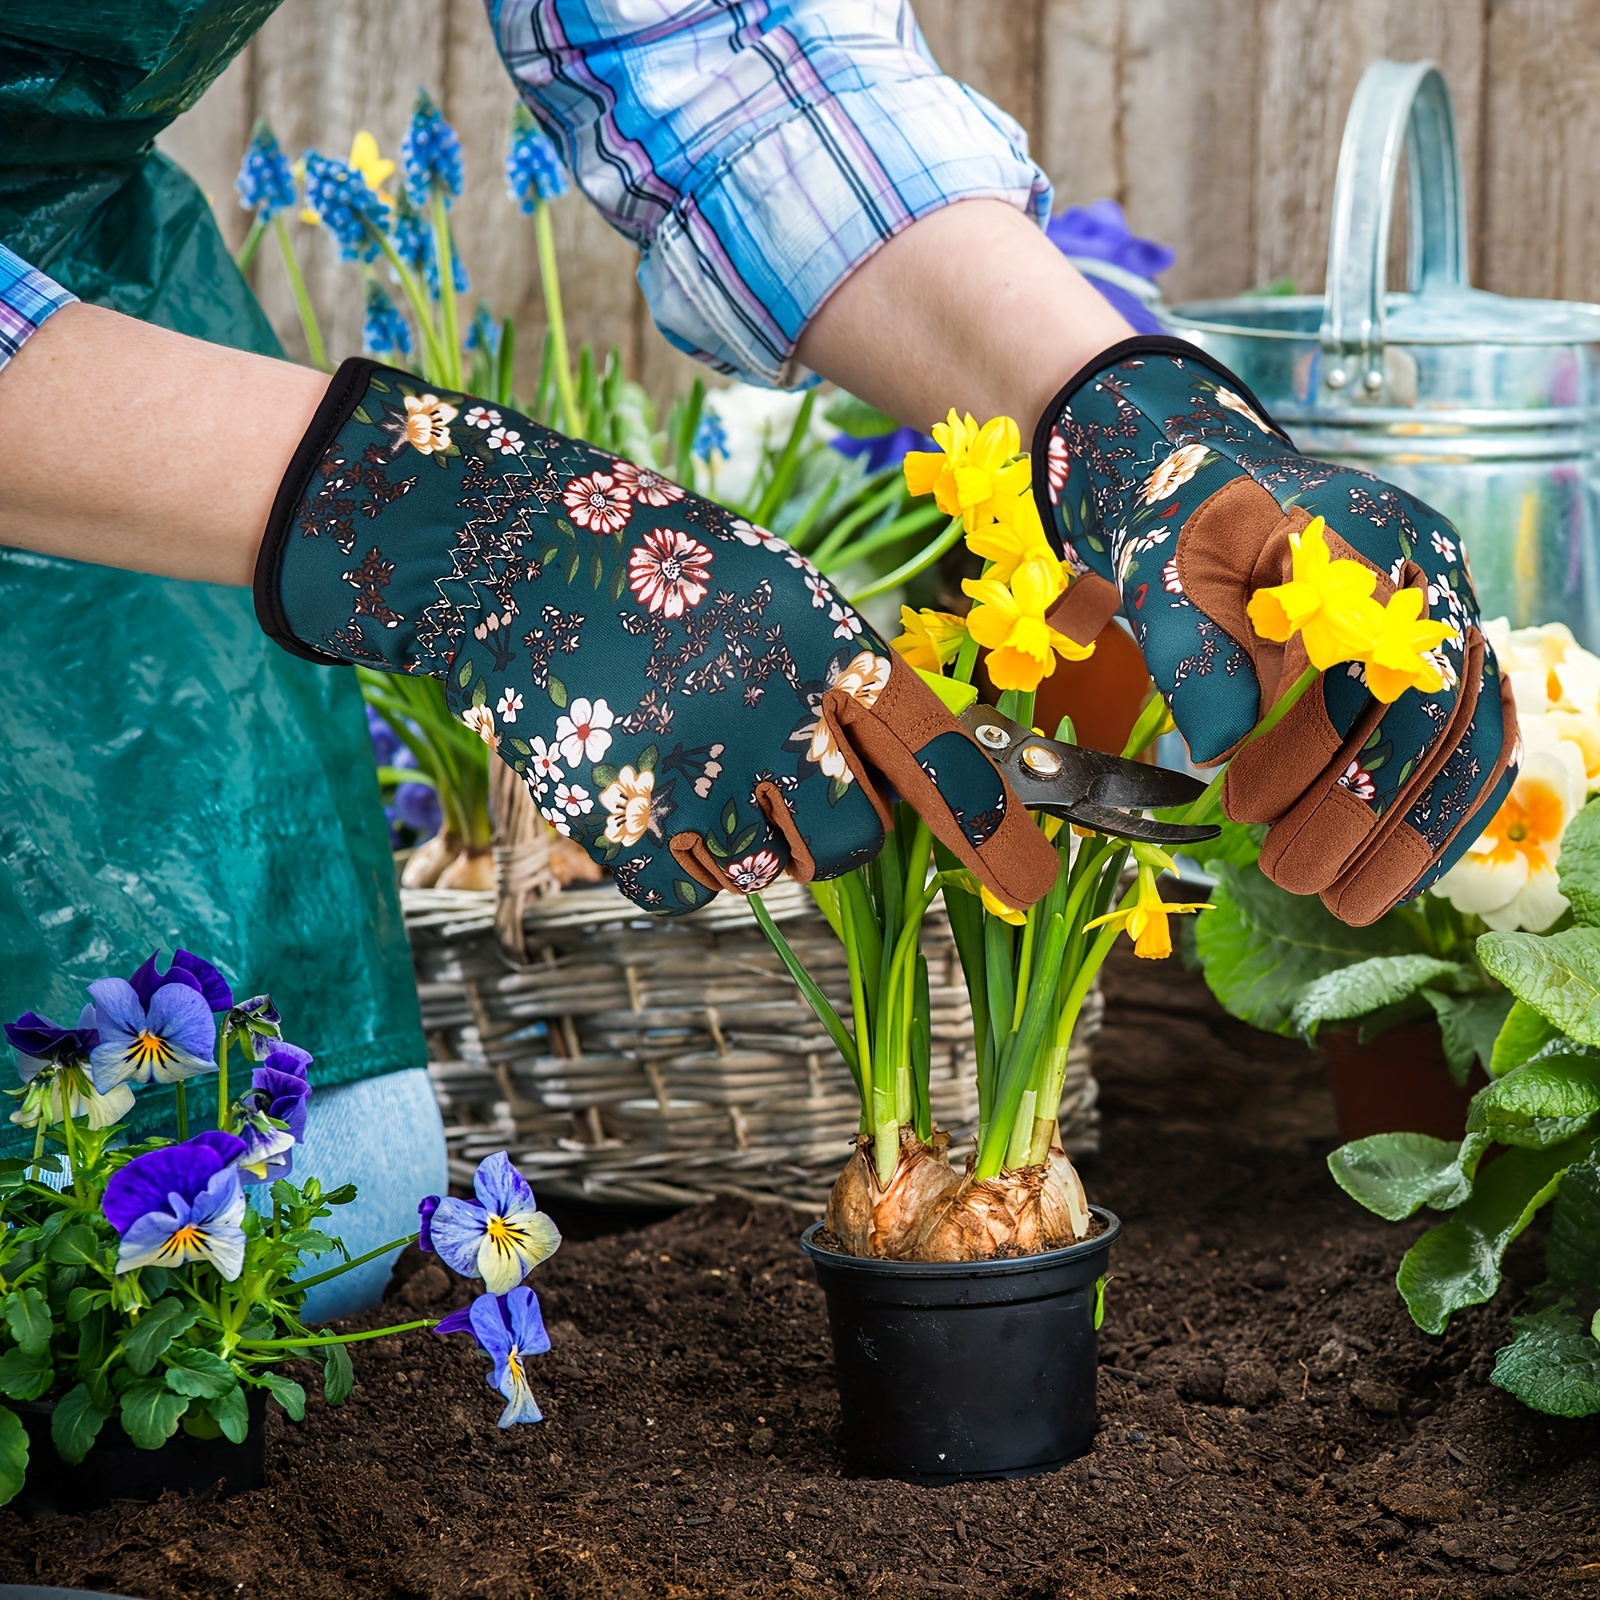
x,y
430,152
266,180
353,213
167,1039
180,1204
534,172
508,1329
385,332
499,1237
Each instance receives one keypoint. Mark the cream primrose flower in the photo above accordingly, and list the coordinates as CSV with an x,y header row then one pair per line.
x,y
1171,474
427,423
1551,674
1508,875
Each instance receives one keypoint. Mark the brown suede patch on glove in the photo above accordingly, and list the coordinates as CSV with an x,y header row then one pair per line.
x,y
1088,605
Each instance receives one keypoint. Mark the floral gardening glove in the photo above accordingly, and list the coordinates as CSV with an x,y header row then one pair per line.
x,y
682,693
1158,472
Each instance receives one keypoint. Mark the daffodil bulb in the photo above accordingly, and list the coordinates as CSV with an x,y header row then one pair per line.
x,y
1508,876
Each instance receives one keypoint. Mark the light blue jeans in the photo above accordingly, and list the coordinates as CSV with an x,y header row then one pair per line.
x,y
386,1137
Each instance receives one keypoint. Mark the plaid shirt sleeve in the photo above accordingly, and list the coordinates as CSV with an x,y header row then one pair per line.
x,y
27,297
756,151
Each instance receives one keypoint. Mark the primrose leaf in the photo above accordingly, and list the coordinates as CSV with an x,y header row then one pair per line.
x,y
13,1454
76,1423
1558,974
286,1392
1539,1103
1572,1256
1579,871
1553,1363
150,1413
27,1315
1469,1025
201,1374
25,1375
1368,986
1261,947
1458,1263
232,1414
338,1374
154,1331
1395,1174
1524,1033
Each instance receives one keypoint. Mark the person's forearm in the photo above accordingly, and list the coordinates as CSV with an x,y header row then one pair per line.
x,y
970,307
132,446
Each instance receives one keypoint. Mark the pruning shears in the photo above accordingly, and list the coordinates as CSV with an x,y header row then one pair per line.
x,y
1107,793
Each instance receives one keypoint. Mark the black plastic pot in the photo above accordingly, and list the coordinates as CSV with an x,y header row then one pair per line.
x,y
116,1469
958,1370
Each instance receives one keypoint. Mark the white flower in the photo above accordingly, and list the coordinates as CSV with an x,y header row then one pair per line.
x,y
481,720
542,760
1233,402
1508,875
584,732
482,417
749,533
1445,547
864,677
552,815
508,705
846,623
574,799
506,440
1170,581
627,804
753,420
1171,475
820,593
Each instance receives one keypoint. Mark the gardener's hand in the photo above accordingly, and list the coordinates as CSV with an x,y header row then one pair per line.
x,y
1159,474
682,693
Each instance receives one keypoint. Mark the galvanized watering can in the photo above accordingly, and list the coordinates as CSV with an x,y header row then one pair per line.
x,y
1485,406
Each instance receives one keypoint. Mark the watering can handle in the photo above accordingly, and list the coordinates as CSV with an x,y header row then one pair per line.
x,y
1394,100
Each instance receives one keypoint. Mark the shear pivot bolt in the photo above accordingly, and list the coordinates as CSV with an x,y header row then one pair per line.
x,y
992,735
1042,763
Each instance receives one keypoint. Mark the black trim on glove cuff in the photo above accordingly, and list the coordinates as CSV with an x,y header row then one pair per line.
x,y
333,411
1154,344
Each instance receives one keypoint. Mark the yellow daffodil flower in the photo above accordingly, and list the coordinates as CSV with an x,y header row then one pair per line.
x,y
1397,657
996,907
1146,920
1327,602
1009,622
1014,535
932,639
366,158
963,474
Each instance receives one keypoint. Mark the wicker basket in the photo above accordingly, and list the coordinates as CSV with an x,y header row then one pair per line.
x,y
636,1060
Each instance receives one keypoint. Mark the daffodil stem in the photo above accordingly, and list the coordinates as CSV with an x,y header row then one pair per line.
x,y
315,347
355,1261
180,1097
907,570
224,1116
555,318
1209,805
444,256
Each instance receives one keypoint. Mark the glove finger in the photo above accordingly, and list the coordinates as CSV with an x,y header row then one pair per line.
x,y
743,861
909,737
827,830
1439,825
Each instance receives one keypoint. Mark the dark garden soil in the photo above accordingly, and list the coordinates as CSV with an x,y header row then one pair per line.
x,y
1272,1423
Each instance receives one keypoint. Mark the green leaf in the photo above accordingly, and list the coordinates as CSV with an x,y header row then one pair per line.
x,y
232,1412
286,1392
730,817
557,691
13,1455
201,1374
1469,1026
1261,947
1579,870
597,570
464,676
1572,1255
1523,1034
155,1330
1559,1089
76,1423
856,418
743,839
1369,985
1239,843
150,1413
1396,1174
83,1302
342,1196
1558,974
76,1246
25,1375
648,757
1553,1363
604,776
27,1315
338,1374
1458,1263
688,893
574,561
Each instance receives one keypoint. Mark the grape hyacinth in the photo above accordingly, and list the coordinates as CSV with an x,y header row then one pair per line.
x,y
710,438
533,168
352,213
384,332
266,180
430,153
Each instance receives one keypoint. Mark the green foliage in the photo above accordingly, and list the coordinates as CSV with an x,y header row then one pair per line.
x,y
13,1454
1557,974
1524,1033
76,1423
1396,1174
150,1412
1370,985
1579,869
1553,1363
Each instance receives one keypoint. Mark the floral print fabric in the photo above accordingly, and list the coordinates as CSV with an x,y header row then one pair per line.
x,y
666,678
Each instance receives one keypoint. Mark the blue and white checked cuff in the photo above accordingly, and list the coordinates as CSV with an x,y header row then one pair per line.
x,y
27,299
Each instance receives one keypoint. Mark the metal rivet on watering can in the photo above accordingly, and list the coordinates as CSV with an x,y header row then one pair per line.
x,y
1483,405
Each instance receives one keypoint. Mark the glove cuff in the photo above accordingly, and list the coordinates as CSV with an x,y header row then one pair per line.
x,y
337,406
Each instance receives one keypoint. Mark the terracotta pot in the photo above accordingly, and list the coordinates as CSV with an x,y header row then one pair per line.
x,y
1102,695
1399,1083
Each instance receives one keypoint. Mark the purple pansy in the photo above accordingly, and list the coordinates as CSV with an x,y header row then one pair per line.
x,y
280,1094
179,1204
880,450
509,1329
425,1210
166,1041
255,1024
1100,232
499,1237
192,971
53,1062
40,1042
